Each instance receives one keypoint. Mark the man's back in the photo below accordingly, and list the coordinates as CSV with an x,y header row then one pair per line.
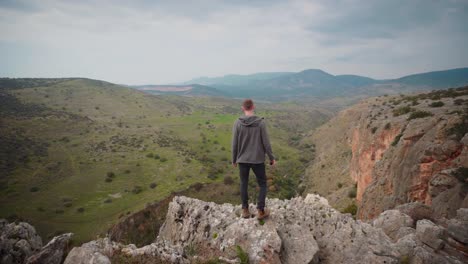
x,y
250,140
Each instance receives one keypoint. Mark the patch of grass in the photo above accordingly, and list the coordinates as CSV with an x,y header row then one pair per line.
x,y
242,255
419,114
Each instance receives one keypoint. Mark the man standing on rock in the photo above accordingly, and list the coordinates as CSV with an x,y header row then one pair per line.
x,y
250,143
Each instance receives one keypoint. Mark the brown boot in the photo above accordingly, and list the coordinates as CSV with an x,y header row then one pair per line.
x,y
245,213
262,214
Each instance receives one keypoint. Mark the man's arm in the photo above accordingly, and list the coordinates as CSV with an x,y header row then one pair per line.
x,y
266,142
234,144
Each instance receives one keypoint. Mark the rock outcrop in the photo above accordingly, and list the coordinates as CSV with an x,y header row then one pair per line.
x,y
19,243
403,149
300,230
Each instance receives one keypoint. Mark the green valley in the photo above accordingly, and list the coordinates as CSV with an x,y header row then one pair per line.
x,y
79,154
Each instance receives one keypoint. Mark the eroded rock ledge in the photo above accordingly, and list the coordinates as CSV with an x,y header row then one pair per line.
x,y
300,230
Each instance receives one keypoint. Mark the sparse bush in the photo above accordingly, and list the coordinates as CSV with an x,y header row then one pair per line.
x,y
110,174
387,126
458,101
352,193
339,185
397,139
137,189
108,180
59,211
150,155
228,180
437,104
197,186
127,171
153,185
80,210
108,200
419,114
67,204
352,209
157,156
374,129
163,159
34,189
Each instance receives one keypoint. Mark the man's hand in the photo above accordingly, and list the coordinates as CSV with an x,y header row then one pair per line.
x,y
234,165
273,163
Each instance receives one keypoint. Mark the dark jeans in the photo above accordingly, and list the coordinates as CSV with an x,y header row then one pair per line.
x,y
259,171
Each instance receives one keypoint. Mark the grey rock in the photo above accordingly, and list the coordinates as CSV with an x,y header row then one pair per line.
x,y
17,241
430,234
53,252
86,255
391,221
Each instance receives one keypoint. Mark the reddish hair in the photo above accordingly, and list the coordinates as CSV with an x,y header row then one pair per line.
x,y
248,104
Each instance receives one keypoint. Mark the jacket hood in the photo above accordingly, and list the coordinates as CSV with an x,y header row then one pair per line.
x,y
250,120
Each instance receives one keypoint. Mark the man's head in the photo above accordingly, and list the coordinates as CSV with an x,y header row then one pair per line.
x,y
248,105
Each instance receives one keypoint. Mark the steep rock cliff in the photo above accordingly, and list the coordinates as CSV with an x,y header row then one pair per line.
x,y
403,149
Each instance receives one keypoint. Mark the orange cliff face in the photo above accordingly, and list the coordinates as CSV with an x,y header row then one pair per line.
x,y
368,149
411,160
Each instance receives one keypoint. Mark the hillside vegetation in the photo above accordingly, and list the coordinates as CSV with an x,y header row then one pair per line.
x,y
78,154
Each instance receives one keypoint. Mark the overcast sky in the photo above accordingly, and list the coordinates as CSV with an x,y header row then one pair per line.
x,y
142,42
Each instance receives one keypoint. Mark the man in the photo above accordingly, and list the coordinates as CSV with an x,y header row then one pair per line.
x,y
250,143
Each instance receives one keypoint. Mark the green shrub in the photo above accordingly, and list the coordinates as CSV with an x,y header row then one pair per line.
x,y
108,180
157,156
137,189
352,209
110,174
149,155
153,185
402,110
437,104
419,114
339,185
397,139
459,129
34,189
352,193
80,210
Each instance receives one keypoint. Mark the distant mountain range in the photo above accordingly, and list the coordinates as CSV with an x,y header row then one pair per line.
x,y
312,83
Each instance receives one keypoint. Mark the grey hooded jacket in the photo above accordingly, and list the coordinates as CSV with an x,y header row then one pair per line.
x,y
250,140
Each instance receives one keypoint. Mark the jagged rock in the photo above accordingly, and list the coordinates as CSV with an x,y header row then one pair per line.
x,y
300,230
430,234
392,221
17,241
52,253
458,227
416,210
309,231
83,255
